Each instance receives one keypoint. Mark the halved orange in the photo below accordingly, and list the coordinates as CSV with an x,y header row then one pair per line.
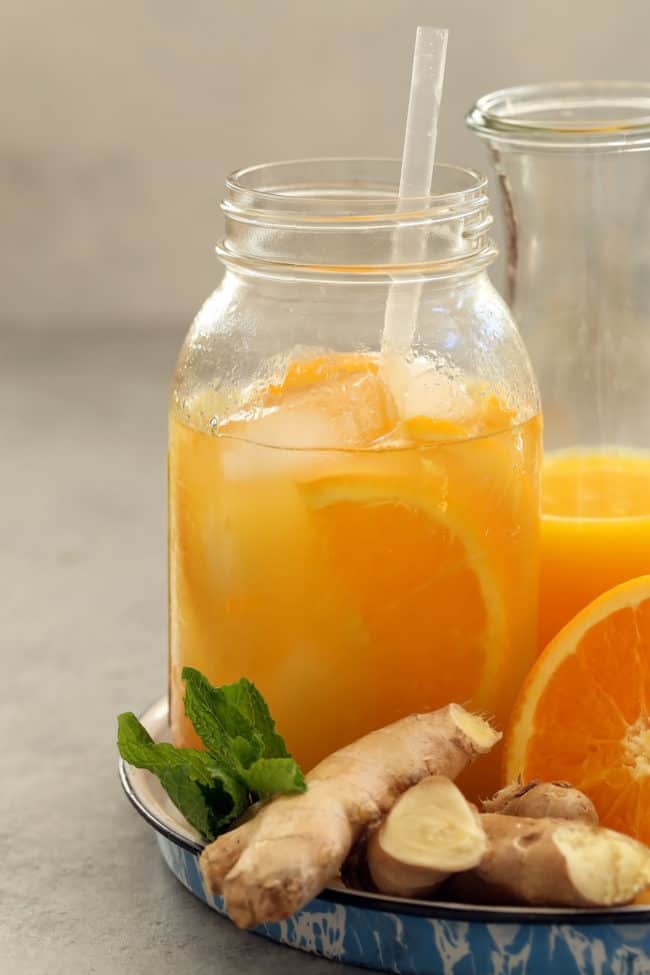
x,y
582,714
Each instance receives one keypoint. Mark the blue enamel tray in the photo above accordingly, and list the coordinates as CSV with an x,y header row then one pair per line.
x,y
412,937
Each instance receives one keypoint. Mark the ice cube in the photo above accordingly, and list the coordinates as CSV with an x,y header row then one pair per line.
x,y
345,412
437,395
427,386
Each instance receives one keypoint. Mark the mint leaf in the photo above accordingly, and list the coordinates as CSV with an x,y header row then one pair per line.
x,y
225,731
227,796
190,799
245,758
138,748
207,795
275,776
247,699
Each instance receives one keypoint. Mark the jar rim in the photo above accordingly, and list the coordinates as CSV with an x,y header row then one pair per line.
x,y
342,189
343,216
566,115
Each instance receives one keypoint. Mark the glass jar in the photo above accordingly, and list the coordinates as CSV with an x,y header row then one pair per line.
x,y
356,533
573,167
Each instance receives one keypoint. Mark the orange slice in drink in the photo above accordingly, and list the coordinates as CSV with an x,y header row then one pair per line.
x,y
418,579
582,714
427,429
303,373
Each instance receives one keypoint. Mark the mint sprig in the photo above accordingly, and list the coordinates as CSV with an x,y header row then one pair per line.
x,y
245,758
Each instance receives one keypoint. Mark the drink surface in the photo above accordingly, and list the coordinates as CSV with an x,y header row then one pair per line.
x,y
595,529
361,541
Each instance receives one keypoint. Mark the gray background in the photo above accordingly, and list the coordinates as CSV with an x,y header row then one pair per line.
x,y
118,123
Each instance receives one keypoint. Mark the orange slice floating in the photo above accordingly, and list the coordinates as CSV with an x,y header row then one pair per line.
x,y
303,373
582,714
417,578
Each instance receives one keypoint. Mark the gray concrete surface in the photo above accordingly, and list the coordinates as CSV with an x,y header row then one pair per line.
x,y
82,576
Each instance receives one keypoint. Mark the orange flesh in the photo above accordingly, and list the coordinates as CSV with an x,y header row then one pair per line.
x,y
595,530
355,586
590,724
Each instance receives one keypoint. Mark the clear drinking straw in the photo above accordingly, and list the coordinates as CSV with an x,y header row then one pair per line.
x,y
427,79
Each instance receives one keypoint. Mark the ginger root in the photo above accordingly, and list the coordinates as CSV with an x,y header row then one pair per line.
x,y
554,863
431,832
538,799
274,864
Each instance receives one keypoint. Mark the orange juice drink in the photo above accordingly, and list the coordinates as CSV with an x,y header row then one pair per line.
x,y
356,565
595,529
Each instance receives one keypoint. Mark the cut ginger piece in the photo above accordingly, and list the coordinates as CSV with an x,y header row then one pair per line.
x,y
554,863
271,865
431,832
583,712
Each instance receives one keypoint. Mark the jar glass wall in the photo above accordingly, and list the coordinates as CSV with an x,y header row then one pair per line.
x,y
573,166
357,533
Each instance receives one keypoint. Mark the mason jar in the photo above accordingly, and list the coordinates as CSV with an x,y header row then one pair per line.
x,y
572,162
354,529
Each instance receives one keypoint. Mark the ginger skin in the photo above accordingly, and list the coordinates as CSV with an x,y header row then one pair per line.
x,y
537,799
553,863
275,863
